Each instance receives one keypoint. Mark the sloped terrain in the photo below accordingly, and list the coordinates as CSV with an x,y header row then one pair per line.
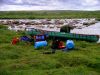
x,y
24,59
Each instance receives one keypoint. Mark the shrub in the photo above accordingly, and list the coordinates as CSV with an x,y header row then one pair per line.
x,y
3,27
66,29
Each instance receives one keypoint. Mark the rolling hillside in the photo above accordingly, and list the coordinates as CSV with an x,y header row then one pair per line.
x,y
48,14
24,59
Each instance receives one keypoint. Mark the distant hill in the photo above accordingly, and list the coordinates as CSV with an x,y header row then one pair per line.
x,y
48,14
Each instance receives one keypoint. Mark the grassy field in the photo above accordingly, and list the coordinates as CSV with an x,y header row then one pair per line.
x,y
48,14
23,59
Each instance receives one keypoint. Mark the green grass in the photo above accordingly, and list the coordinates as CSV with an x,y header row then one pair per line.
x,y
48,14
23,59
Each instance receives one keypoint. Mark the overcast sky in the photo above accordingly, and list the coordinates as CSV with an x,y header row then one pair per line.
x,y
6,5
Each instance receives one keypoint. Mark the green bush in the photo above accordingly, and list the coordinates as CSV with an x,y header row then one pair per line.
x,y
3,27
66,28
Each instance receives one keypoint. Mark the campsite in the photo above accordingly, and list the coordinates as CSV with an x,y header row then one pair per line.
x,y
19,56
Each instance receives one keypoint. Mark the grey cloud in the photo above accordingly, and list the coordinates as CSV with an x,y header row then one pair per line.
x,y
52,4
24,2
